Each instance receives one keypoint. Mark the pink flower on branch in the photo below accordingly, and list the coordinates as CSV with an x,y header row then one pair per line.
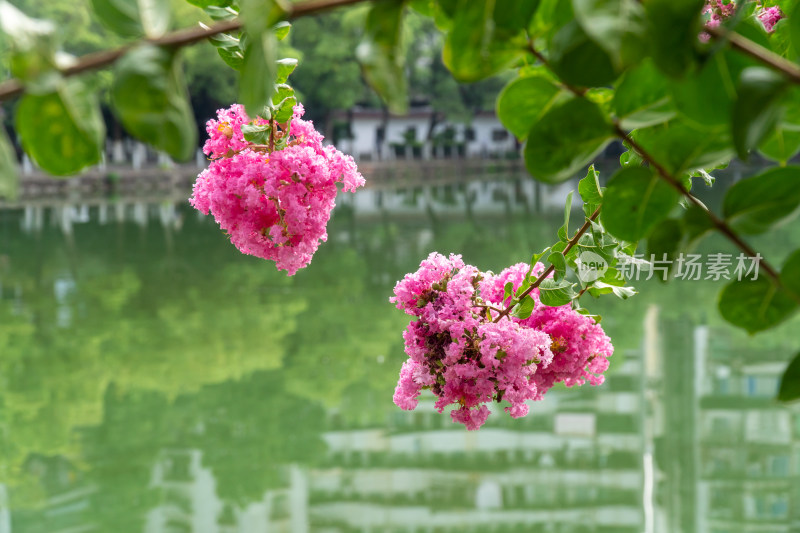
x,y
469,360
273,203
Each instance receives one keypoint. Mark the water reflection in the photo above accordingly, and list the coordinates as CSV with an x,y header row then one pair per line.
x,y
154,380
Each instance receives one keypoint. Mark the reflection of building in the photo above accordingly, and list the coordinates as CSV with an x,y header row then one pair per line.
x,y
573,464
749,445
728,454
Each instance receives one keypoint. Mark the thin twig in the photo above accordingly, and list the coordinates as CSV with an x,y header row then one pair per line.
x,y
577,91
718,223
490,307
757,52
662,172
548,270
179,38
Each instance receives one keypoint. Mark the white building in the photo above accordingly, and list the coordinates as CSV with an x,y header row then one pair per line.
x,y
376,135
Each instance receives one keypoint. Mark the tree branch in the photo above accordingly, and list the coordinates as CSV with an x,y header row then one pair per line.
x,y
757,52
177,39
718,223
548,270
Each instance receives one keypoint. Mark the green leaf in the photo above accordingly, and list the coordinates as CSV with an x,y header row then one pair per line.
x,y
523,309
256,134
284,109
282,29
262,15
578,60
756,204
642,98
523,101
61,131
706,97
9,176
589,188
381,56
472,50
508,290
673,27
793,23
210,3
554,293
150,98
665,239
790,273
618,26
755,305
781,145
563,231
515,15
790,382
559,264
696,223
550,17
285,67
259,69
134,18
756,112
617,290
682,147
221,13
635,200
565,139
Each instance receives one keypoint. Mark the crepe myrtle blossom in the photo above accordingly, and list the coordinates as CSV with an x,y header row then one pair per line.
x,y
717,11
467,359
273,203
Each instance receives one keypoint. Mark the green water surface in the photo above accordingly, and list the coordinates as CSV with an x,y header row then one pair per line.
x,y
153,379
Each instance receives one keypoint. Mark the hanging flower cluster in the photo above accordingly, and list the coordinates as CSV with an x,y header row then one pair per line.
x,y
462,354
717,11
274,200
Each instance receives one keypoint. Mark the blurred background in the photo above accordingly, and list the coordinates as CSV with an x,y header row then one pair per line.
x,y
153,379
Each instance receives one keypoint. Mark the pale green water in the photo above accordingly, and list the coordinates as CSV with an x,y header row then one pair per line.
x,y
152,379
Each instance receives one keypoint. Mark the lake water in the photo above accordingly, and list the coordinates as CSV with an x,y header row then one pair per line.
x,y
153,379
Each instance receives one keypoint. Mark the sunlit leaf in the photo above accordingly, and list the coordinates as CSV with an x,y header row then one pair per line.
x,y
62,131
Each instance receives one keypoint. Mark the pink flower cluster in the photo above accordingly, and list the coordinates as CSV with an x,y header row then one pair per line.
x,y
457,350
719,10
769,17
273,204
